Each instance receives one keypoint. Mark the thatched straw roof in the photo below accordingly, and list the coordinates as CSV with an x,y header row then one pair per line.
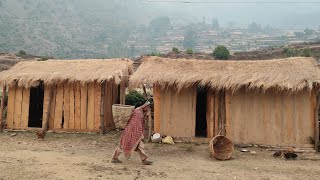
x,y
29,74
291,74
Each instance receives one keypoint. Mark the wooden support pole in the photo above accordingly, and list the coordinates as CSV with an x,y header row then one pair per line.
x,y
102,104
46,122
145,92
2,121
122,92
222,112
317,136
149,113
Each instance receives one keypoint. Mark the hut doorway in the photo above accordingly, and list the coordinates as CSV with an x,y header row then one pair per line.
x,y
36,106
201,112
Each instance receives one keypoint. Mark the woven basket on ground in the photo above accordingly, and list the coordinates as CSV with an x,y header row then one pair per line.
x,y
121,115
221,147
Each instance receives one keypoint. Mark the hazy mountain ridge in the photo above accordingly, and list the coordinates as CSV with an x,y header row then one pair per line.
x,y
101,28
63,28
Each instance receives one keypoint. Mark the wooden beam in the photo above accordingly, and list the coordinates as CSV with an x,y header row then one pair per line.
x,y
122,92
10,107
84,106
66,105
108,100
2,122
77,110
97,105
72,107
316,138
90,111
102,104
51,90
157,108
46,98
25,107
17,108
227,121
52,106
222,111
210,113
58,108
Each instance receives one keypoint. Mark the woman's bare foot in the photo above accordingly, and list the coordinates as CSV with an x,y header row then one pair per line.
x,y
116,160
146,162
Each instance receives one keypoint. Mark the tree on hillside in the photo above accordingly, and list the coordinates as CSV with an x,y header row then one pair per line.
x,y
221,52
189,40
189,51
175,50
306,52
22,53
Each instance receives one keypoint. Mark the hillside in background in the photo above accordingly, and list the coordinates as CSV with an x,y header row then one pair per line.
x,y
8,60
128,28
66,28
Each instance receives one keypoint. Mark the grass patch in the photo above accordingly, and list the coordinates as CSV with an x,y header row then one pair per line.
x,y
187,147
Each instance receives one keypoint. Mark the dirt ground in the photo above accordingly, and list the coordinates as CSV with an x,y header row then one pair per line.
x,y
87,156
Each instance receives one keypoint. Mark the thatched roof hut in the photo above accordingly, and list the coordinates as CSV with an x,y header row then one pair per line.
x,y
292,74
68,95
272,102
28,74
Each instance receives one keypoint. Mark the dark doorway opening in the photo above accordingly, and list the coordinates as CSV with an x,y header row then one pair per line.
x,y
119,94
36,106
201,119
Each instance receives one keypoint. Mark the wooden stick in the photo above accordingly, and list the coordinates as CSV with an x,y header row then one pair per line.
x,y
46,122
150,123
316,138
145,92
2,122
103,86
122,92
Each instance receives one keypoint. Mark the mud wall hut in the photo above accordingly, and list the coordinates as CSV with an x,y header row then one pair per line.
x,y
271,102
65,95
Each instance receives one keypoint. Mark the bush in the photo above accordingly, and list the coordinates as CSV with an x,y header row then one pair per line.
x,y
22,53
44,59
306,52
189,51
290,52
134,98
221,52
155,54
175,50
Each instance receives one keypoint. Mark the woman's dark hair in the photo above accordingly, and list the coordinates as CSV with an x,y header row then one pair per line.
x,y
140,103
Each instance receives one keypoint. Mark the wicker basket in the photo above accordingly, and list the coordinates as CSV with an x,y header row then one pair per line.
x,y
121,115
221,147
